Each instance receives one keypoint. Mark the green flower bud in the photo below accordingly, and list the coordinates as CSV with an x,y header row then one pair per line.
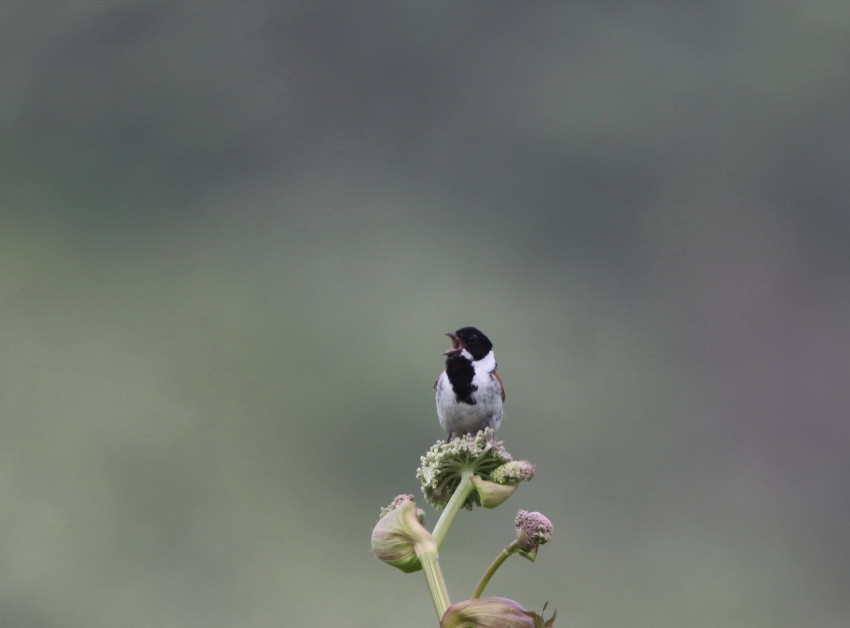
x,y
491,612
399,534
491,494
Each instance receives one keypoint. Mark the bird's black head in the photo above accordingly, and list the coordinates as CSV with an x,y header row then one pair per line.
x,y
471,339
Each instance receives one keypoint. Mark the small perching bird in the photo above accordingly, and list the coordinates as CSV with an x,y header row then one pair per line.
x,y
469,392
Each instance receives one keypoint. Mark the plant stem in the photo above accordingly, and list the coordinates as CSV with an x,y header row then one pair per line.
x,y
436,582
510,549
453,507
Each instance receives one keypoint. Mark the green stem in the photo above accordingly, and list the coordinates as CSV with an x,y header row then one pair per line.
x,y
435,580
453,507
510,549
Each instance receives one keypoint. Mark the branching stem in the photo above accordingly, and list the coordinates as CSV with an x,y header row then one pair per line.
x,y
458,499
513,548
436,582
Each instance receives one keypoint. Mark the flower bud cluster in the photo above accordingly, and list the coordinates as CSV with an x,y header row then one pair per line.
x,y
532,530
513,472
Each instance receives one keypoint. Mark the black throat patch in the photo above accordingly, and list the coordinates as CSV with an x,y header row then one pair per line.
x,y
460,373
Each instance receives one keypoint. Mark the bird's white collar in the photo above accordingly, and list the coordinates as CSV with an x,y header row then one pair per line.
x,y
487,363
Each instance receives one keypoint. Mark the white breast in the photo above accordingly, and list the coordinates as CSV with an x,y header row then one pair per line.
x,y
462,418
483,369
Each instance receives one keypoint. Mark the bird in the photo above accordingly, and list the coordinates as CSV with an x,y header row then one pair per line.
x,y
469,392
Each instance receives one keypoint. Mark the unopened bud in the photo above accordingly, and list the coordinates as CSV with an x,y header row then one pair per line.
x,y
532,529
488,612
492,494
398,532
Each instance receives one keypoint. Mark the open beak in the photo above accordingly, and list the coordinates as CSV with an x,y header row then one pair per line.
x,y
457,345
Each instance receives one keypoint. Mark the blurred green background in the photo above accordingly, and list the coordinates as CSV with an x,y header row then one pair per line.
x,y
233,235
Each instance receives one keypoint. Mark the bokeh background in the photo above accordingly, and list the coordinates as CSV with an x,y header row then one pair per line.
x,y
233,235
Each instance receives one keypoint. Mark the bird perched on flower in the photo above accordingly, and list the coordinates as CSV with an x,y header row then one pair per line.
x,y
469,392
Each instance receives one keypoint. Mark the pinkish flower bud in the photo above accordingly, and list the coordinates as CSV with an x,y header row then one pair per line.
x,y
488,612
532,529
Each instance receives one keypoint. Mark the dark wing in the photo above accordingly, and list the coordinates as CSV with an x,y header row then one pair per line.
x,y
501,386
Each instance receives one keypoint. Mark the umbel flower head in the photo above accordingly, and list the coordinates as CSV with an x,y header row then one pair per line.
x,y
399,533
492,612
477,454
